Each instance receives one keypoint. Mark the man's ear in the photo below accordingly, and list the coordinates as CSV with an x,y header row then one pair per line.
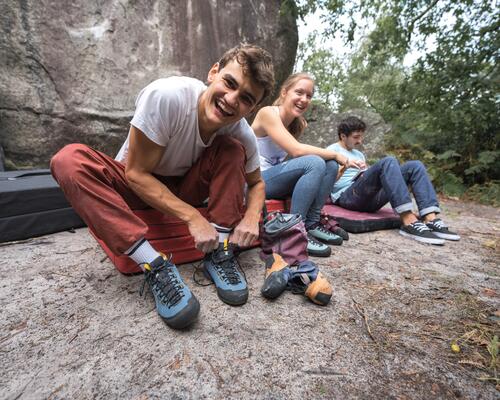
x,y
213,72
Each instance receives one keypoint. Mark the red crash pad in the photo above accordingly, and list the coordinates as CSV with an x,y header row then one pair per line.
x,y
169,235
358,222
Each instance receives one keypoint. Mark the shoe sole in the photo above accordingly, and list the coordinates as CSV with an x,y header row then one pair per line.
x,y
184,320
238,302
446,236
231,302
321,299
324,253
437,241
344,235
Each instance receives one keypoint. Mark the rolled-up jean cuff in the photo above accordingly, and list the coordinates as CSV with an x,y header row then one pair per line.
x,y
403,208
428,210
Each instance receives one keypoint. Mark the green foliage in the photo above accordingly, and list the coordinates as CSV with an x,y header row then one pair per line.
x,y
441,168
445,107
487,193
324,67
486,161
493,350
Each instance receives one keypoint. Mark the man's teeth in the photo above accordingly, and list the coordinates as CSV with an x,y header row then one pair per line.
x,y
225,111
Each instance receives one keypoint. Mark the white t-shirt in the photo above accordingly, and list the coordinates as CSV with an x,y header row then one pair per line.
x,y
167,113
347,177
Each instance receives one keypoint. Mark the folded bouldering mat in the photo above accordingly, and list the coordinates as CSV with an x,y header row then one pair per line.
x,y
169,235
358,222
32,204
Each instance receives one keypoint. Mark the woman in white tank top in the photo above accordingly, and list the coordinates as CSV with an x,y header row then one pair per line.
x,y
309,173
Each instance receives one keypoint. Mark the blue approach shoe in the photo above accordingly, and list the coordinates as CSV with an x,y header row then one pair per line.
x,y
174,301
221,267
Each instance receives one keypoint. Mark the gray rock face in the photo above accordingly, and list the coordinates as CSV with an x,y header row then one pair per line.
x,y
323,123
71,70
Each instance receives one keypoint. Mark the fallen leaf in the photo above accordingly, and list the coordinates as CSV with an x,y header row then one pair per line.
x,y
176,364
470,362
19,326
491,244
489,292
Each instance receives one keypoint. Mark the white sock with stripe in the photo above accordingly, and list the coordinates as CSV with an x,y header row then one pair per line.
x,y
223,232
142,252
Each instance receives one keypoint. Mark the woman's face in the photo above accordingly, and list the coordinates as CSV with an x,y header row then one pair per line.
x,y
297,99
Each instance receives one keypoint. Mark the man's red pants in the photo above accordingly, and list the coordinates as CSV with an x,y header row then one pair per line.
x,y
96,186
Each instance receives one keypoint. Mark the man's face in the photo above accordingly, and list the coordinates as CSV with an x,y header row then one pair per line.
x,y
353,140
231,95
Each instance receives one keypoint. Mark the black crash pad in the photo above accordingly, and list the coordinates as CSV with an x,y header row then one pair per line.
x,y
32,204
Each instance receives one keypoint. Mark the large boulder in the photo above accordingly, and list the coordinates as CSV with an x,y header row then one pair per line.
x,y
71,70
322,129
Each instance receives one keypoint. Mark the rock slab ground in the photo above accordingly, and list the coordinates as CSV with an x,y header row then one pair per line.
x,y
72,327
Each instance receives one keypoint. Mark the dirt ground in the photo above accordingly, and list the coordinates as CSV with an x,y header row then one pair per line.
x,y
72,327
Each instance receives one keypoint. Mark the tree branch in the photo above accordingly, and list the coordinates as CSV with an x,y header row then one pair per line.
x,y
411,25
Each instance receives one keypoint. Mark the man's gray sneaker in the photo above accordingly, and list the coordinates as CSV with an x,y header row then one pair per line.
x,y
316,248
420,232
324,235
439,228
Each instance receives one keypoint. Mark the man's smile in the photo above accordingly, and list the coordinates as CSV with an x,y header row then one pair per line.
x,y
223,108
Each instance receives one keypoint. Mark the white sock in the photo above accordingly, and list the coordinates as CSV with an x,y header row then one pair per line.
x,y
142,252
223,232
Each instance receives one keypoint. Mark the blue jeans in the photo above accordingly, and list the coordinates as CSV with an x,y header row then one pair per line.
x,y
387,181
308,179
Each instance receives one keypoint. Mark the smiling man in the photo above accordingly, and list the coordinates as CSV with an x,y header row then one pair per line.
x,y
187,142
369,189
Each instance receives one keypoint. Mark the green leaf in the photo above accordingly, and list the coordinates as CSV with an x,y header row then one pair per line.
x,y
447,155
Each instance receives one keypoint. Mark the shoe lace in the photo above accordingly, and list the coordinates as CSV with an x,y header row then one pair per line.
x,y
420,226
439,224
163,281
228,269
313,241
323,229
326,228
227,266
198,269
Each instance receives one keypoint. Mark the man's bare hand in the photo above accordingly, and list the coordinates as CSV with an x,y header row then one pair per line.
x,y
206,238
245,233
356,164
